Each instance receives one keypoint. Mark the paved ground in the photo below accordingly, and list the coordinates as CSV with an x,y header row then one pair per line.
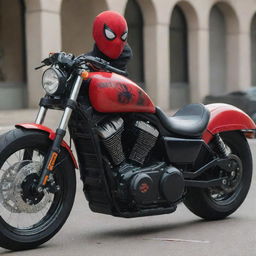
x,y
86,233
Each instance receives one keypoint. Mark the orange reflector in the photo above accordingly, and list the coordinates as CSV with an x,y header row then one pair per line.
x,y
85,74
250,135
45,179
52,161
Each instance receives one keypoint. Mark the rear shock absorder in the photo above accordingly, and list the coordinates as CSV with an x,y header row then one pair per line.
x,y
220,145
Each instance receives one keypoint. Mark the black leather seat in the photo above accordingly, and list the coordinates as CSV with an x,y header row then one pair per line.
x,y
189,121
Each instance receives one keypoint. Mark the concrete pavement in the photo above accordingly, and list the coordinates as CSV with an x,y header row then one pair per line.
x,y
87,233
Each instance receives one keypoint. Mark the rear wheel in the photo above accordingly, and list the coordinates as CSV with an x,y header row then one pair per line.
x,y
29,218
219,202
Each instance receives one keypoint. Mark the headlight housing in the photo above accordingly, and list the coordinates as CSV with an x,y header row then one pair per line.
x,y
53,81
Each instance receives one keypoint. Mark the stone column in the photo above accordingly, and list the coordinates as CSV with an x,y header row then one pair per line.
x,y
232,61
43,35
117,5
156,61
244,60
245,12
199,64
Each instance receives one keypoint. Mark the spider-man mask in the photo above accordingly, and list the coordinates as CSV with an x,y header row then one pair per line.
x,y
110,33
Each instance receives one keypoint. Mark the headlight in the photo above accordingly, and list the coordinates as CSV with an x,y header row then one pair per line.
x,y
53,81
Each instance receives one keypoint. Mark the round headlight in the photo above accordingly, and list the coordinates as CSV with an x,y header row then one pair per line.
x,y
53,81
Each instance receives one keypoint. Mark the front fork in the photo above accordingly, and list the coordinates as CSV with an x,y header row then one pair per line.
x,y
60,133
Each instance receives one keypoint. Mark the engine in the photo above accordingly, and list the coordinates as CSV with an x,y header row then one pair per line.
x,y
138,183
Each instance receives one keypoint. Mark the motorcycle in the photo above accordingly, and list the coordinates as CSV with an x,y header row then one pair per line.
x,y
134,160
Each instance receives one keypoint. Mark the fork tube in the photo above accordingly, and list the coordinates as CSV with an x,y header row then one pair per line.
x,y
60,133
41,115
73,97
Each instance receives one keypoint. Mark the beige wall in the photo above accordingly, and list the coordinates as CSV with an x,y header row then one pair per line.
x,y
253,50
11,50
54,25
43,35
76,24
12,59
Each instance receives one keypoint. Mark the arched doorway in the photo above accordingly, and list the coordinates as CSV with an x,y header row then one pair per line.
x,y
135,23
253,51
223,49
179,59
76,24
12,55
218,62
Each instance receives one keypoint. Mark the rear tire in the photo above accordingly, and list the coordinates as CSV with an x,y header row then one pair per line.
x,y
200,202
29,219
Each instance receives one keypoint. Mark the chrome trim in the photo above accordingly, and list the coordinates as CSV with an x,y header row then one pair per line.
x,y
68,111
41,115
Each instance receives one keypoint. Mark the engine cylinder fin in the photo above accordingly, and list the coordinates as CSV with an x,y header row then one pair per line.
x,y
146,141
111,134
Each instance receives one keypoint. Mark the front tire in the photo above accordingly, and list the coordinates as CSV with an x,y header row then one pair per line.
x,y
27,218
203,204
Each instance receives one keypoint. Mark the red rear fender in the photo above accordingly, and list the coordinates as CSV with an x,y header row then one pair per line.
x,y
33,126
225,117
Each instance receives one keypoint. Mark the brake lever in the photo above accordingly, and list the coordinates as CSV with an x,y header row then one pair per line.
x,y
36,68
46,62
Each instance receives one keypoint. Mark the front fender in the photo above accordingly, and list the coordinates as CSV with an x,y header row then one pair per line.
x,y
225,117
52,134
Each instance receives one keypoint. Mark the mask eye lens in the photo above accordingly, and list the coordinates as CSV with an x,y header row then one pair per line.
x,y
109,33
124,36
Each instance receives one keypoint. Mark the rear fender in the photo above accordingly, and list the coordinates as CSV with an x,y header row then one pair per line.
x,y
225,117
51,133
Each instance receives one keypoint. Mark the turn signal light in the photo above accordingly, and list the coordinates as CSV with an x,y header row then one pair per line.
x,y
250,135
85,75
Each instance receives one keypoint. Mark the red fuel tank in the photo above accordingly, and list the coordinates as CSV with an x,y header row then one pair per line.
x,y
110,92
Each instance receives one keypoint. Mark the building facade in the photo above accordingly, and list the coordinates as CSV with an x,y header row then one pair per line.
x,y
183,50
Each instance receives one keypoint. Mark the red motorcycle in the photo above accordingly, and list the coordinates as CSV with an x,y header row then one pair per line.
x,y
134,160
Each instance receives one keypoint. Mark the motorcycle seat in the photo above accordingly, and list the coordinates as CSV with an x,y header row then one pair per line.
x,y
189,121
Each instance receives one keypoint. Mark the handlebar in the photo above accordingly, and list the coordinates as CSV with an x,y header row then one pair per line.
x,y
68,61
101,63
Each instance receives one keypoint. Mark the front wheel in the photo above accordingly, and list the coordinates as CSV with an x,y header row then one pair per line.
x,y
29,218
219,202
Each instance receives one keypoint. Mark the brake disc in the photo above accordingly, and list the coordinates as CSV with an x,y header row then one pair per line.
x,y
12,190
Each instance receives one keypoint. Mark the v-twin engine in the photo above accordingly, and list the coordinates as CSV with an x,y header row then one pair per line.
x,y
138,182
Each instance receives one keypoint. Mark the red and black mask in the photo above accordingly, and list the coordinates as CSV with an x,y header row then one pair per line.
x,y
110,33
